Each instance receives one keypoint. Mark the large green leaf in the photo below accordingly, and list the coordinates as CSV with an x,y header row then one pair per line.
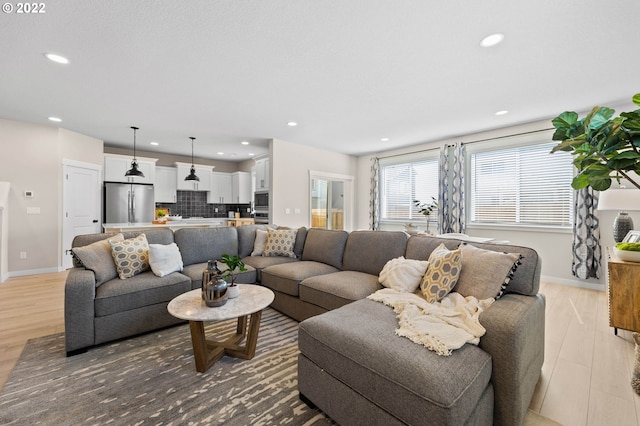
x,y
600,183
597,118
565,120
636,99
631,126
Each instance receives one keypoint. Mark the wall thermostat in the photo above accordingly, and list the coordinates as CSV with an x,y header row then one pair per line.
x,y
28,194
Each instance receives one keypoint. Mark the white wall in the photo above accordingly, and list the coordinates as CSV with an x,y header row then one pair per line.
x,y
290,166
31,160
554,247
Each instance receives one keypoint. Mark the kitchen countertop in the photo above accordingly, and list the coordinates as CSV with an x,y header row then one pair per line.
x,y
171,224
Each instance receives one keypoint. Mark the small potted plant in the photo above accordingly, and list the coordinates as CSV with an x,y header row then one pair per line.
x,y
234,267
161,215
426,209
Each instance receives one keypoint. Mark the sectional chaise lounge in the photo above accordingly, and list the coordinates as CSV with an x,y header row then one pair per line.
x,y
352,365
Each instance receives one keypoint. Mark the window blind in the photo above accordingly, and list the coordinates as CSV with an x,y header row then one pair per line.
x,y
521,185
402,183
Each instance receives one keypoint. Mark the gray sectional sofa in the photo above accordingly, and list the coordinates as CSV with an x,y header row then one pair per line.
x,y
351,363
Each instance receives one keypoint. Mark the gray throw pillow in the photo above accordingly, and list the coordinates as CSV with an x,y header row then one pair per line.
x,y
485,273
97,258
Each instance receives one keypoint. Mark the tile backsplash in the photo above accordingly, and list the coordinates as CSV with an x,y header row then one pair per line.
x,y
194,204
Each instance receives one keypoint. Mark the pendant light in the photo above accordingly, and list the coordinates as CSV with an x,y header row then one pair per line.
x,y
134,164
192,174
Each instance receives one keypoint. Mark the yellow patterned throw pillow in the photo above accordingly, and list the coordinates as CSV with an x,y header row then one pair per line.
x,y
280,242
442,273
131,256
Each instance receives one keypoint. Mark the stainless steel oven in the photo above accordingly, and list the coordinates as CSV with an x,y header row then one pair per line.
x,y
261,201
261,206
261,217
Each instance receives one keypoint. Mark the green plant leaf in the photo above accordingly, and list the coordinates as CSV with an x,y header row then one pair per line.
x,y
631,126
565,120
636,99
599,183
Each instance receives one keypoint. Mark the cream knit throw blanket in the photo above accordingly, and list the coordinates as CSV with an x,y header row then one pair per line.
x,y
442,326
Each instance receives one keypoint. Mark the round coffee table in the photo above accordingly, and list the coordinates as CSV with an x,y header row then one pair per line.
x,y
247,308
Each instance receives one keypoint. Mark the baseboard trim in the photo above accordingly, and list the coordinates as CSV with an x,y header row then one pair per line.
x,y
33,272
574,283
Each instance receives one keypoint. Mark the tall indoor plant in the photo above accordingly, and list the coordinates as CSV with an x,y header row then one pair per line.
x,y
603,147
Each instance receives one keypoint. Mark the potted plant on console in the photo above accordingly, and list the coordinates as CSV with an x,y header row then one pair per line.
x,y
234,267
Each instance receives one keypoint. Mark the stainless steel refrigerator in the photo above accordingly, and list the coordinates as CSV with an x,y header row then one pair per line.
x,y
128,203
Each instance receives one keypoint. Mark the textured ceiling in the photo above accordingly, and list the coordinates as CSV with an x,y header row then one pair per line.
x,y
350,72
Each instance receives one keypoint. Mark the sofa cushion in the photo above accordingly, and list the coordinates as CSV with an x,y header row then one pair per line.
x,y
199,245
442,273
131,256
260,262
259,243
286,277
403,274
195,273
526,279
165,259
280,242
485,273
325,246
331,291
358,346
97,257
154,236
139,291
246,238
369,251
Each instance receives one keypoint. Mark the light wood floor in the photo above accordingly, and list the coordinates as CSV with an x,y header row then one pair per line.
x,y
585,376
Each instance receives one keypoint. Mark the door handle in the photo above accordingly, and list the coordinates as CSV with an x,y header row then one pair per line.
x,y
95,220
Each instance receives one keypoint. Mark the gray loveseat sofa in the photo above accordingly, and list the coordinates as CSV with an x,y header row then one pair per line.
x,y
351,363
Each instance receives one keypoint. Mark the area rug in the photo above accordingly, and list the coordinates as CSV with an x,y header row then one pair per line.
x,y
151,380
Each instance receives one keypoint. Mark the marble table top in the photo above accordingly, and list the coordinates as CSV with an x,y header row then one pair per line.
x,y
251,299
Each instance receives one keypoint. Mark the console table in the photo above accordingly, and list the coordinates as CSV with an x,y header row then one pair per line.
x,y
623,292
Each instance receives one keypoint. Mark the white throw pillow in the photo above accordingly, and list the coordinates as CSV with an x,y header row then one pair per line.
x,y
261,240
165,259
403,275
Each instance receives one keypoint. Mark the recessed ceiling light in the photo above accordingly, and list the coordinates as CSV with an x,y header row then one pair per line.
x,y
244,143
56,58
503,112
384,140
56,119
292,124
251,154
220,153
492,40
154,143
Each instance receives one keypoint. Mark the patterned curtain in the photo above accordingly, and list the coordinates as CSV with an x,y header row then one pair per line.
x,y
451,191
374,207
586,235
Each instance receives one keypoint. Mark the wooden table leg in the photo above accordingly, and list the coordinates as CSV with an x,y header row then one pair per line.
x,y
208,352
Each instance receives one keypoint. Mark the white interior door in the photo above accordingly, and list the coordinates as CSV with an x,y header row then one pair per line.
x,y
81,204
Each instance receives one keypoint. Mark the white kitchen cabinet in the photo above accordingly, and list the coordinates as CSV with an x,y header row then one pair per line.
x,y
241,187
203,172
115,167
262,174
166,184
221,191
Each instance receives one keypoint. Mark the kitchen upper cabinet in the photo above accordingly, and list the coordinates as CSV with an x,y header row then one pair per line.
x,y
241,186
221,191
203,172
262,174
166,184
115,167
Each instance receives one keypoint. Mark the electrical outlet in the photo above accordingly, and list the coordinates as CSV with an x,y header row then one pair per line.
x,y
215,210
23,255
248,209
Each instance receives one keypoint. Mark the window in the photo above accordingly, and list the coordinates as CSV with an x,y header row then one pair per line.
x,y
521,185
403,182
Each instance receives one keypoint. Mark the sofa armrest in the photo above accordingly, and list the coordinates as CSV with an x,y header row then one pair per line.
x,y
515,340
79,313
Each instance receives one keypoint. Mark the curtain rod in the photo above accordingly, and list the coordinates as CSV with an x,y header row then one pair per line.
x,y
471,142
507,136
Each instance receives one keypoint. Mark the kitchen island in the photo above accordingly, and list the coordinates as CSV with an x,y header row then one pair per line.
x,y
171,224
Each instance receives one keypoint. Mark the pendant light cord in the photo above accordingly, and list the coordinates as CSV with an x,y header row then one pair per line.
x,y
134,142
